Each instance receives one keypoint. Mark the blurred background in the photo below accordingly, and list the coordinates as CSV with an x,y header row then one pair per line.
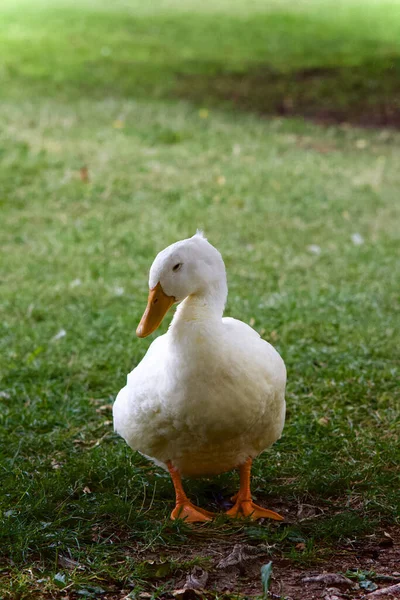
x,y
127,125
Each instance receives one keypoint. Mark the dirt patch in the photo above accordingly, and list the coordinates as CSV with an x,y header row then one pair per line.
x,y
363,95
228,567
375,560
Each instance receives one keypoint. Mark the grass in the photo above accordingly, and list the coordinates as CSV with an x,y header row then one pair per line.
x,y
305,217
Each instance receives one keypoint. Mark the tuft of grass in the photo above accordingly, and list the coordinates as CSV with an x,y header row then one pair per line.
x,y
100,167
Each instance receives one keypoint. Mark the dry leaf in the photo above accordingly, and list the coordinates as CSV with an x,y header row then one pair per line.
x,y
300,546
104,408
197,579
240,554
84,174
69,563
187,594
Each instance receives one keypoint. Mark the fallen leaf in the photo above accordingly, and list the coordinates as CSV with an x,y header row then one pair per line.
x,y
69,563
104,408
240,554
307,511
203,113
266,572
300,546
118,124
187,594
252,322
197,579
368,585
323,421
84,174
87,490
221,180
59,579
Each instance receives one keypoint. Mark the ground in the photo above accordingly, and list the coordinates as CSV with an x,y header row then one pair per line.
x,y
124,127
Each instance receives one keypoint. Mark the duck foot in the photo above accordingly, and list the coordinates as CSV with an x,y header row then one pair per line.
x,y
244,505
184,509
248,508
191,513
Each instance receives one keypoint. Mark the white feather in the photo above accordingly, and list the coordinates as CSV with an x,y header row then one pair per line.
x,y
210,392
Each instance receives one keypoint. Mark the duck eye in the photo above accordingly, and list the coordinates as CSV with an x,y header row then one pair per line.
x,y
177,267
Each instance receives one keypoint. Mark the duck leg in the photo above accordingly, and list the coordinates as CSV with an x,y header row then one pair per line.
x,y
244,505
184,509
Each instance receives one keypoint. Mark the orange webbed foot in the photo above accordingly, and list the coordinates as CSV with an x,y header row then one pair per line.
x,y
248,508
191,513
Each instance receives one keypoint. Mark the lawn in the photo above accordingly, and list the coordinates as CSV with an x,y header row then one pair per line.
x,y
124,127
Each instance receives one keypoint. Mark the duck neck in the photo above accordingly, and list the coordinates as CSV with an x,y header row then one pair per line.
x,y
201,309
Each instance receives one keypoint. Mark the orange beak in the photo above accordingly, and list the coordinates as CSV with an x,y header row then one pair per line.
x,y
158,304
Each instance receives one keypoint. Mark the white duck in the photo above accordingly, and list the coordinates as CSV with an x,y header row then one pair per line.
x,y
209,395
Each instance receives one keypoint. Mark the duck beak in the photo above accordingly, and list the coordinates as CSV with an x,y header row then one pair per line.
x,y
158,304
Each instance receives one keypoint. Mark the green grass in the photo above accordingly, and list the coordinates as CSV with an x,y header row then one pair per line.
x,y
100,85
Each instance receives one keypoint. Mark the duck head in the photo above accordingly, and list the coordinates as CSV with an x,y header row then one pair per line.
x,y
191,267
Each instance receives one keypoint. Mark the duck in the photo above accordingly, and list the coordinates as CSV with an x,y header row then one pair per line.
x,y
209,395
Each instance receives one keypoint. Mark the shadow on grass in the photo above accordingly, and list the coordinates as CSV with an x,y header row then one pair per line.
x,y
364,95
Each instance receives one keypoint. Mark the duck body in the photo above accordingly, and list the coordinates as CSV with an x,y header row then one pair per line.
x,y
209,395
215,397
